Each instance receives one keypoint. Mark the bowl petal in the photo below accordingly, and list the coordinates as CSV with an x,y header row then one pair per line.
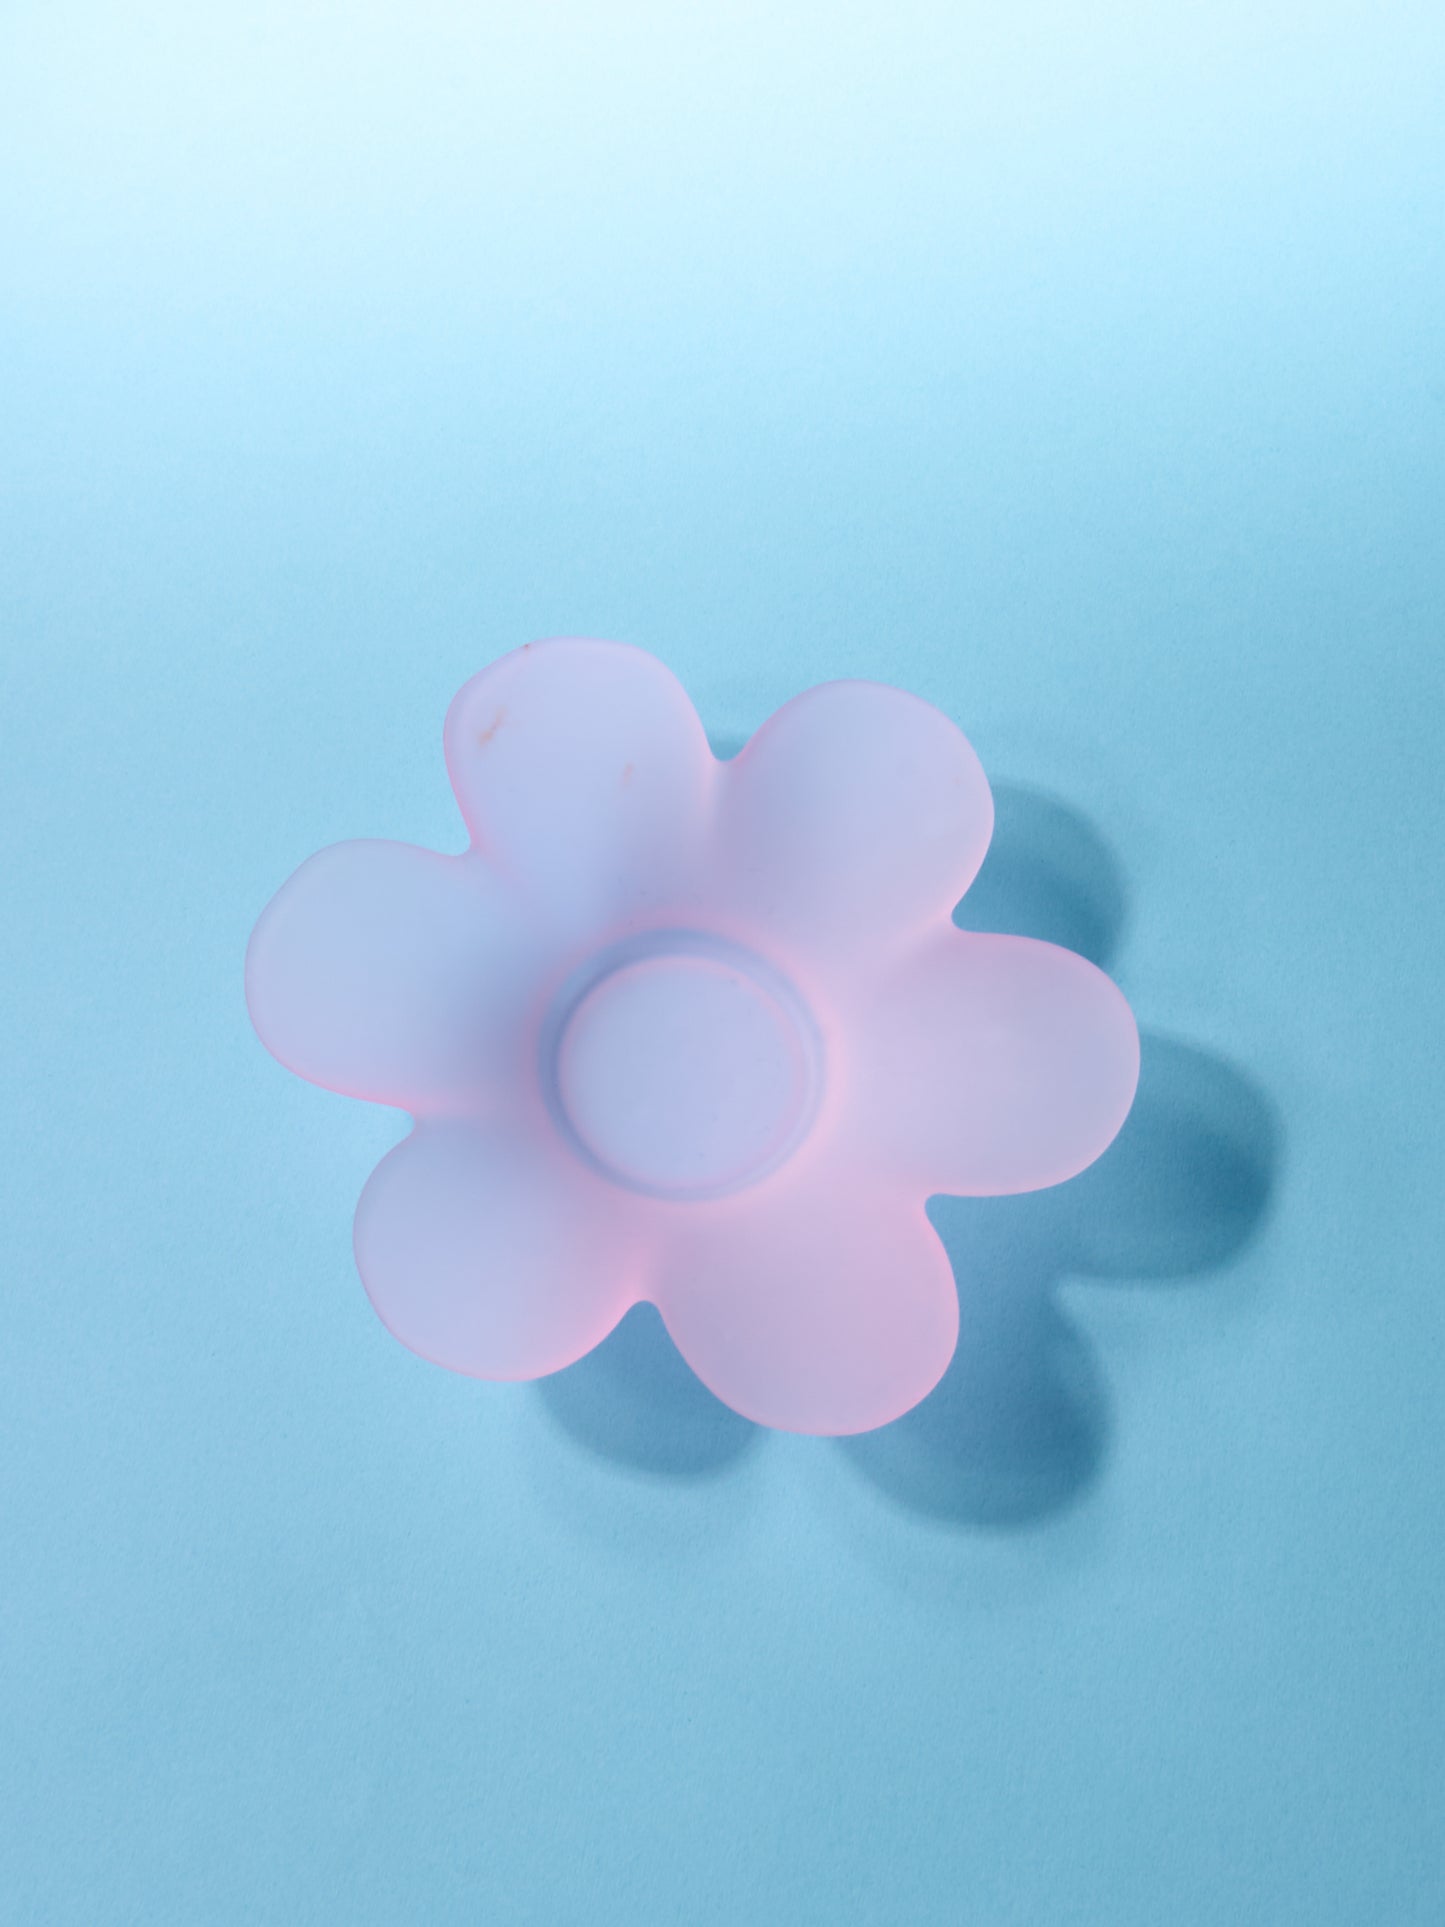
x,y
983,1065
584,773
489,1251
388,972
824,1303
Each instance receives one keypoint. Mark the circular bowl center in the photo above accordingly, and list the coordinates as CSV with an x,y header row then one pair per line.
x,y
685,1072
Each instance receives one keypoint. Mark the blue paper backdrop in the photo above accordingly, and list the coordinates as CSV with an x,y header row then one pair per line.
x,y
1079,368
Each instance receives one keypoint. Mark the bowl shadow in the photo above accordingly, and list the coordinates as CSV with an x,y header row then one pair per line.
x,y
633,1400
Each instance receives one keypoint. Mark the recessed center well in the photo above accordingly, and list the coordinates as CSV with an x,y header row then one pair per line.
x,y
686,1074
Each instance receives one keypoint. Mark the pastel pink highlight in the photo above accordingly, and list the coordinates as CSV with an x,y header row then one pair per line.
x,y
695,1032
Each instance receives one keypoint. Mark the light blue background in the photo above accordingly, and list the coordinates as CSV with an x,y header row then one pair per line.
x,y
1079,368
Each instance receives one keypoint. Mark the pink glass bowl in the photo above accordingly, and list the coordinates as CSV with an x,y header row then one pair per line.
x,y
693,1031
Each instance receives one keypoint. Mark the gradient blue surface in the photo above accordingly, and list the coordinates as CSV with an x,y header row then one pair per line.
x,y
1078,368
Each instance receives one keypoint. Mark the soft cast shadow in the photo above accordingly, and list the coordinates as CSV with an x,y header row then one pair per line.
x,y
1047,874
633,1400
1019,1425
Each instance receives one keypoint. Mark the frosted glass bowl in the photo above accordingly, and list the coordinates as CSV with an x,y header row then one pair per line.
x,y
694,1031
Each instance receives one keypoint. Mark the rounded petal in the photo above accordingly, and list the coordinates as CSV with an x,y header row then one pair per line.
x,y
991,1064
491,1253
855,814
826,1307
583,771
392,973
